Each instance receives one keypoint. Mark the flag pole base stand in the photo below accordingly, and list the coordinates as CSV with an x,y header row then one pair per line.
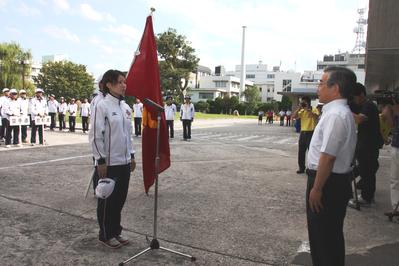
x,y
154,244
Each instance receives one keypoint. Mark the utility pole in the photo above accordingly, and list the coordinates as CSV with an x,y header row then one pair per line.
x,y
242,80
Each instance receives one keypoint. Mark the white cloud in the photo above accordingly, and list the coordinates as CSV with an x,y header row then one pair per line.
x,y
61,33
13,30
128,33
286,30
62,4
90,13
26,10
3,4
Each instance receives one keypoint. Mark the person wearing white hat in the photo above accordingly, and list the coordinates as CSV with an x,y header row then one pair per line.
x,y
24,103
138,116
72,110
12,109
3,100
62,110
187,112
52,110
38,108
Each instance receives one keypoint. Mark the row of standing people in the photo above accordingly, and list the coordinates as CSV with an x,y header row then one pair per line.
x,y
284,115
187,112
16,104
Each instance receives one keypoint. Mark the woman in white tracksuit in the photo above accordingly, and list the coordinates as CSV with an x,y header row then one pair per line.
x,y
114,153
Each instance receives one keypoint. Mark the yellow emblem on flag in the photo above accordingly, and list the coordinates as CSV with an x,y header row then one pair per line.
x,y
148,121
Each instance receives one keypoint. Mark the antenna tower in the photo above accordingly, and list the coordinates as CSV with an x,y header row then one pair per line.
x,y
360,46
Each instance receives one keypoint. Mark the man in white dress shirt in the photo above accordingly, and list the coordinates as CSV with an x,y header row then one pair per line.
x,y
38,108
62,110
12,109
170,111
52,110
138,116
187,112
72,110
330,155
85,113
24,103
3,100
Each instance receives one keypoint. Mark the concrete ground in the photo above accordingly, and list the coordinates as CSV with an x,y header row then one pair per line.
x,y
231,197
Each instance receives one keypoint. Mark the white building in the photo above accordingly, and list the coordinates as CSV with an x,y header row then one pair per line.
x,y
269,82
212,87
54,58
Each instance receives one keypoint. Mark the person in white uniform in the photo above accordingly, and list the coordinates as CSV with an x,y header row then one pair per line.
x,y
62,110
38,108
138,116
12,108
170,111
72,110
187,112
24,103
3,100
85,114
113,150
52,110
330,156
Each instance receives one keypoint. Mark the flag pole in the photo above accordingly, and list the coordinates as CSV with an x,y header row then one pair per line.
x,y
154,244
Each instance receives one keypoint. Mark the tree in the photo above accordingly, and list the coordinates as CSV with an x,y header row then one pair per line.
x,y
65,79
285,103
178,62
252,97
14,66
202,106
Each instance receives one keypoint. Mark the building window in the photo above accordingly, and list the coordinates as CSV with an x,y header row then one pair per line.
x,y
250,76
260,89
270,76
221,84
287,85
361,66
205,95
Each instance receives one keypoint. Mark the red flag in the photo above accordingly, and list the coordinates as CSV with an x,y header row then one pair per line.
x,y
143,81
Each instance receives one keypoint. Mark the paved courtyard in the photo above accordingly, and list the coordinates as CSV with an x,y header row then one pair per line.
x,y
231,197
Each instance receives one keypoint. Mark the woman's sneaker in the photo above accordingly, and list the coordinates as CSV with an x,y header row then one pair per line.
x,y
122,240
111,243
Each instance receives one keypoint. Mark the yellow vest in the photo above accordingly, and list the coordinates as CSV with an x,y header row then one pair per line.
x,y
308,122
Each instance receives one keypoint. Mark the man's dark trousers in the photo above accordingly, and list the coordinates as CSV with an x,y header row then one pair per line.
x,y
35,128
186,129
72,123
137,126
303,145
85,123
3,127
61,120
368,166
326,237
52,124
170,126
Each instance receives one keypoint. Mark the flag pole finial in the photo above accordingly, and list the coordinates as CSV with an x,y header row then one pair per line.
x,y
152,10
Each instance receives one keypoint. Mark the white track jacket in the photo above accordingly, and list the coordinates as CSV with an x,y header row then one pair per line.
x,y
112,131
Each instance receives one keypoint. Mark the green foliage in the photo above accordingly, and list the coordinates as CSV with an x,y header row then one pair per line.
x,y
285,103
178,62
14,64
274,106
202,106
65,79
253,98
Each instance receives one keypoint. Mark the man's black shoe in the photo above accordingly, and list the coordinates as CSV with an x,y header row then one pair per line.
x,y
300,171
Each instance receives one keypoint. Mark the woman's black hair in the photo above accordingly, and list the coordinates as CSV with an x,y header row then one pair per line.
x,y
110,76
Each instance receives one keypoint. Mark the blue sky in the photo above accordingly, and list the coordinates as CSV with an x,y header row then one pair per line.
x,y
104,34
